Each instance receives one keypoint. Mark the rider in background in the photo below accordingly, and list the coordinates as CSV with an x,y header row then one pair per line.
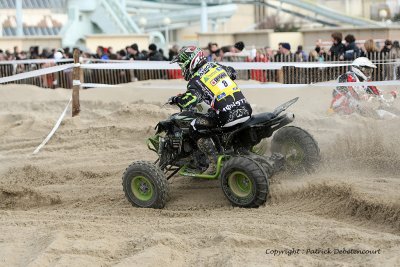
x,y
214,84
348,99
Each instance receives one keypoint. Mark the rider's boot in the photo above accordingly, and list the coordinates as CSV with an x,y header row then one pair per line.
x,y
206,145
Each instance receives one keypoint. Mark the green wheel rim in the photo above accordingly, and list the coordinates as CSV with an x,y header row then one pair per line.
x,y
293,152
240,184
142,188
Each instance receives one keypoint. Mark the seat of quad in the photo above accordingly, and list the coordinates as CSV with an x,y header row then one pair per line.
x,y
258,118
254,119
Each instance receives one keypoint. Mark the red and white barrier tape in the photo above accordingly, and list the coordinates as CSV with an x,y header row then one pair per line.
x,y
165,65
35,73
54,129
34,61
244,85
157,65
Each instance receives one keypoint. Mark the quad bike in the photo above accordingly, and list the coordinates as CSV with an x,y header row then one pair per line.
x,y
243,170
383,108
369,105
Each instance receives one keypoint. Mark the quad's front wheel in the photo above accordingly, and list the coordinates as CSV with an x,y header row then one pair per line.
x,y
145,185
244,182
299,148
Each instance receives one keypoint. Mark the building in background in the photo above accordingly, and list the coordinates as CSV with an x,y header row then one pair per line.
x,y
165,22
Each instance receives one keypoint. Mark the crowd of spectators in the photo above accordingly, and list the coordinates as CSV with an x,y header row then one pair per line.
x,y
339,49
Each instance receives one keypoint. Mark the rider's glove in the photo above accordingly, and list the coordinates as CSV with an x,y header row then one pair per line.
x,y
173,100
394,93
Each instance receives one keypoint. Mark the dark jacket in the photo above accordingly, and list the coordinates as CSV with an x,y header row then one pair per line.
x,y
337,50
385,51
351,51
138,56
155,56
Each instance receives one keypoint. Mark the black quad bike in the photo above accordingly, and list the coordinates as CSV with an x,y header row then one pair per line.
x,y
242,167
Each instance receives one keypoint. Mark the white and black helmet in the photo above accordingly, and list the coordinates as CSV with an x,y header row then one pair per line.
x,y
363,68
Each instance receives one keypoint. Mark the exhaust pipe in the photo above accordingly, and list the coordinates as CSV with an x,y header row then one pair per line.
x,y
289,118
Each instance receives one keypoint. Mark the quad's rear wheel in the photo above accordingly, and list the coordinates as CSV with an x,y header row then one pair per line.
x,y
299,148
244,182
145,185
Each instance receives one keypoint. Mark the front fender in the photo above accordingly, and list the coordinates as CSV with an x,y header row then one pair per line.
x,y
153,143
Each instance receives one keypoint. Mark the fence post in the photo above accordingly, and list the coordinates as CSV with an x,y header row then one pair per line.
x,y
280,75
76,84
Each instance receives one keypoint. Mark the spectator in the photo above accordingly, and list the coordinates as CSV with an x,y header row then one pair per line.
x,y
284,52
386,49
313,55
154,55
23,55
134,54
173,52
238,47
59,54
67,53
394,55
121,54
370,50
278,53
34,51
351,51
285,49
214,53
318,54
337,49
9,55
45,53
259,75
2,56
110,50
384,55
105,51
145,54
16,52
300,54
100,53
230,53
164,58
113,56
395,51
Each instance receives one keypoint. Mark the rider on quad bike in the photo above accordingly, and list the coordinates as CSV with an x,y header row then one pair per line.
x,y
214,84
349,99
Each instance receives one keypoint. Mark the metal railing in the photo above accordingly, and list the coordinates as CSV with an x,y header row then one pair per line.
x,y
387,69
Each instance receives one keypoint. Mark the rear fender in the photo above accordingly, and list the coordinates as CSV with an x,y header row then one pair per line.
x,y
282,121
255,133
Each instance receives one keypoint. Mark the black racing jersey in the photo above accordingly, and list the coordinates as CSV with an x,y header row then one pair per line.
x,y
214,84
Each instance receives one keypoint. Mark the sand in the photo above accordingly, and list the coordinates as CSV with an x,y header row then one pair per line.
x,y
65,206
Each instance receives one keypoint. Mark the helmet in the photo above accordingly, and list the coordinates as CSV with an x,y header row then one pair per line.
x,y
190,59
363,68
58,55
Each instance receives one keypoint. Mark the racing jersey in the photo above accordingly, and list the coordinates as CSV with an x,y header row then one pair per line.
x,y
214,84
346,99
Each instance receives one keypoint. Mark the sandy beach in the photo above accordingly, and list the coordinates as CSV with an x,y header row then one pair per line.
x,y
65,205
